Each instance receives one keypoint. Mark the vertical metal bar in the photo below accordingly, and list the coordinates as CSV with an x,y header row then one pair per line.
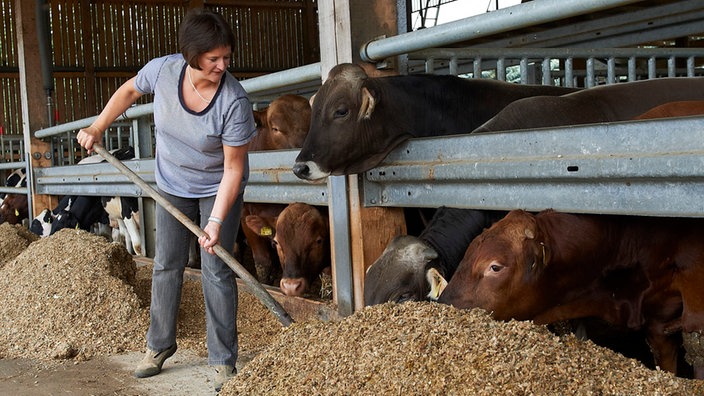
x,y
501,69
671,69
430,65
142,138
632,68
453,66
342,255
477,67
569,73
523,70
690,66
590,80
611,70
547,79
652,68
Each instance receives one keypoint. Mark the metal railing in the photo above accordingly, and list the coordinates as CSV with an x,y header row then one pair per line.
x,y
558,66
651,167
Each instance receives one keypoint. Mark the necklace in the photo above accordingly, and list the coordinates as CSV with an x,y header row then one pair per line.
x,y
190,80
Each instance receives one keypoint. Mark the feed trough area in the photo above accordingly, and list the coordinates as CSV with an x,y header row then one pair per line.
x,y
73,298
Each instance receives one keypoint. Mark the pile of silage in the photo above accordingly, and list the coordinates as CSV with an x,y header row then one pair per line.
x,y
433,349
70,295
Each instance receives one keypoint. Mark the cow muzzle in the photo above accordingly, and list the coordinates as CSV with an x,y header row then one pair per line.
x,y
293,287
309,170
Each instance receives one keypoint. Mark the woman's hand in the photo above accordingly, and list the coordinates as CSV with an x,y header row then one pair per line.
x,y
88,136
208,241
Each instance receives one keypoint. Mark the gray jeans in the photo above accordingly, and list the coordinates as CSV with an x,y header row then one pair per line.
x,y
173,240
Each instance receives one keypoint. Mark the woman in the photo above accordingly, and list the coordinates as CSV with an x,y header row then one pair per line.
x,y
203,122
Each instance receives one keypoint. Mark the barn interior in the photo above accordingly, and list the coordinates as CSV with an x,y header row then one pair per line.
x,y
62,59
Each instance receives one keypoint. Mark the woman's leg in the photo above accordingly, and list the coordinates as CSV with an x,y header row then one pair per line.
x,y
220,289
170,259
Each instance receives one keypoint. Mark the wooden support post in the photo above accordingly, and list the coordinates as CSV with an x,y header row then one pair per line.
x,y
343,30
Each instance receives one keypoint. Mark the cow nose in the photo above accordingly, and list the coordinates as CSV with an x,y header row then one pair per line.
x,y
301,170
293,286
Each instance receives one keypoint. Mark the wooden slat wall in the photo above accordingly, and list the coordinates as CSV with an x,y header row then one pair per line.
x,y
97,45
10,107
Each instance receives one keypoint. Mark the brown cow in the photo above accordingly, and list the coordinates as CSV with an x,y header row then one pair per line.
x,y
14,209
282,125
638,273
674,109
606,103
357,120
301,234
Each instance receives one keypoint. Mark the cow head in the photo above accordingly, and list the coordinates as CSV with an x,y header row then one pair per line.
x,y
302,240
282,125
501,270
14,209
399,274
341,130
41,225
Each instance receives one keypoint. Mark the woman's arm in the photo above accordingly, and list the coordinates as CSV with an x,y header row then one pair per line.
x,y
228,191
119,102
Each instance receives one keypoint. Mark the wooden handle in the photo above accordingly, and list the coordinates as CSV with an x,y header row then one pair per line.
x,y
250,280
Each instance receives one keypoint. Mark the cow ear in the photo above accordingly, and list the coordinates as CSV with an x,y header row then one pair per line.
x,y
429,254
368,103
529,233
260,117
259,226
437,283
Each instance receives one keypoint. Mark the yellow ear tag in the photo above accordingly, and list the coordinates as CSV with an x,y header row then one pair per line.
x,y
265,231
17,213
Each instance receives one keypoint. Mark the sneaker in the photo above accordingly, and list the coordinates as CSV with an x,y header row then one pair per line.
x,y
152,362
223,374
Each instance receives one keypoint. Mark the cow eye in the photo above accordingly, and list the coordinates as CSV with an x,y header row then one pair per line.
x,y
341,112
404,297
495,267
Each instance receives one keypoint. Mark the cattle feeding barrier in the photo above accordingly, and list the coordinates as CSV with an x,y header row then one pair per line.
x,y
565,174
560,66
651,168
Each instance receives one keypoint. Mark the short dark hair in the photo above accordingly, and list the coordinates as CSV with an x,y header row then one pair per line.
x,y
202,30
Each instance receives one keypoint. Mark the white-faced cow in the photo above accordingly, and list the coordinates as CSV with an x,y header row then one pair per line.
x,y
638,273
410,266
357,120
282,125
606,103
301,234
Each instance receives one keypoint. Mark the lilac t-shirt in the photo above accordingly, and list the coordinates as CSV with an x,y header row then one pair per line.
x,y
189,154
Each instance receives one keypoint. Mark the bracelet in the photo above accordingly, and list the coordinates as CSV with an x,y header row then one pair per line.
x,y
215,220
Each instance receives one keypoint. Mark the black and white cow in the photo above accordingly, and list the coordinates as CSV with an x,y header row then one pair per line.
x,y
84,212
